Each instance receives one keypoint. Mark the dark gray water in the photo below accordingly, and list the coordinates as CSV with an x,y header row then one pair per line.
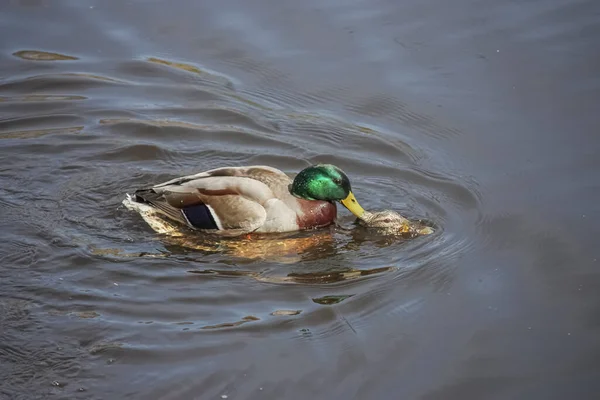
x,y
480,116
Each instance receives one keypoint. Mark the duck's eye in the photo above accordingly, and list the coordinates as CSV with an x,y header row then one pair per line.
x,y
387,220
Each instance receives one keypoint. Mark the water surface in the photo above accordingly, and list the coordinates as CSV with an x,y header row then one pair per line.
x,y
479,116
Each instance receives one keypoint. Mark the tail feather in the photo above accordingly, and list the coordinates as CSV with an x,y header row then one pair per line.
x,y
157,201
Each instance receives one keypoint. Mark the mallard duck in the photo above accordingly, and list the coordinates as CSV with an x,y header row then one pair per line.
x,y
233,201
391,223
383,219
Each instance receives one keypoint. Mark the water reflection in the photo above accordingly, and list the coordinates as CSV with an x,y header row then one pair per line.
x,y
36,55
36,133
41,97
330,300
308,278
244,320
206,75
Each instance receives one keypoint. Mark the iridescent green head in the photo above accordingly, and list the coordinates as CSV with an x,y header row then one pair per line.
x,y
325,182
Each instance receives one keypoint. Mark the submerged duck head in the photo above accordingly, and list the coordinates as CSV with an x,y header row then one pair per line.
x,y
326,182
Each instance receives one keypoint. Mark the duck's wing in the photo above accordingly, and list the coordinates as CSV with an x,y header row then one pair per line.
x,y
262,173
224,200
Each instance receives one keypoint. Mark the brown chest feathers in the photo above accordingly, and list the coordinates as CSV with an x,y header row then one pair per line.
x,y
316,213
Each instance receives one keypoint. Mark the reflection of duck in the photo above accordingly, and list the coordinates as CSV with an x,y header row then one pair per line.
x,y
232,201
272,249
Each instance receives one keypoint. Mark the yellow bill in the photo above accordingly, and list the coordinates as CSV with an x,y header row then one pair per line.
x,y
352,205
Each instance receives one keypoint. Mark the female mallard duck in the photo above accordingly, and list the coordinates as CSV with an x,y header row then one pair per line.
x,y
391,223
233,201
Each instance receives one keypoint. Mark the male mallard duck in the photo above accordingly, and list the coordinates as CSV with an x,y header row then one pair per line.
x,y
233,201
